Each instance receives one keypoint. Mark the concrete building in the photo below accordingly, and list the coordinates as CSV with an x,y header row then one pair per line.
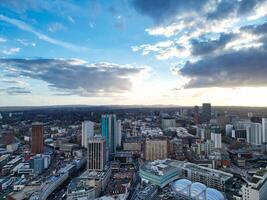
x,y
156,149
264,130
79,189
37,140
161,172
212,178
205,147
96,153
254,134
87,132
206,113
97,179
217,139
168,122
228,129
256,189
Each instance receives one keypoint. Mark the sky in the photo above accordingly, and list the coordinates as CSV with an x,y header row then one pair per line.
x,y
133,52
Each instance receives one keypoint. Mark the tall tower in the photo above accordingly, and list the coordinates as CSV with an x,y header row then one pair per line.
x,y
87,132
206,112
96,153
37,142
109,131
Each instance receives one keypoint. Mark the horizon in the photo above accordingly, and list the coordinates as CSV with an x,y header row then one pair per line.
x,y
133,53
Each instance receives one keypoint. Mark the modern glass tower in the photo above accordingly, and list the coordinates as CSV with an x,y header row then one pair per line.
x,y
109,131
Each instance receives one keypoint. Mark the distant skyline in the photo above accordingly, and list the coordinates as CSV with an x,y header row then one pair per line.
x,y
133,52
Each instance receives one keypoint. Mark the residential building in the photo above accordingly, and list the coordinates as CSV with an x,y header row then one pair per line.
x,y
37,139
87,132
217,139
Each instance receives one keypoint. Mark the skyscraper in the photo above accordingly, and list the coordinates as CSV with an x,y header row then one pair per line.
x,y
217,139
206,113
37,140
109,131
96,153
264,130
87,132
254,134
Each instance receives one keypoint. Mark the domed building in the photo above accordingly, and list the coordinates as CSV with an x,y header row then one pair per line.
x,y
186,190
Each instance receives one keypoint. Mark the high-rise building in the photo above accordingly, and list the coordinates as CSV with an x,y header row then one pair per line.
x,y
118,135
196,115
37,139
96,153
110,131
206,112
264,130
156,149
87,132
254,134
217,139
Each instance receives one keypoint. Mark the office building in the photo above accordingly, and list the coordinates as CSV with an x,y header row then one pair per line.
x,y
7,137
217,139
156,149
168,122
87,132
111,131
118,135
96,154
228,129
212,178
37,139
254,134
256,189
206,113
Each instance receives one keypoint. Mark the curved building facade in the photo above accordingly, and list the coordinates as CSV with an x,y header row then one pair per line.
x,y
186,190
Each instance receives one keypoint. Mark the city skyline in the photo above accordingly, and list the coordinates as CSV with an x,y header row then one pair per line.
x,y
133,52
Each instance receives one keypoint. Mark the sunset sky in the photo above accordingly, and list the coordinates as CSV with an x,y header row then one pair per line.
x,y
133,52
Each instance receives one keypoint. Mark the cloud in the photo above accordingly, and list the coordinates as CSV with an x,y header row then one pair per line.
x,y
15,91
205,47
71,19
55,27
76,77
242,68
26,43
162,10
23,26
2,39
11,51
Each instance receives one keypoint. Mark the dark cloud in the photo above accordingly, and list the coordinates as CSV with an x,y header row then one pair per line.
x,y
205,47
75,77
15,91
161,10
233,69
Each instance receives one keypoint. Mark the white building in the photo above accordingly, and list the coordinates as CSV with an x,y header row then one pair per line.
x,y
264,130
254,134
256,189
217,139
87,132
168,122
